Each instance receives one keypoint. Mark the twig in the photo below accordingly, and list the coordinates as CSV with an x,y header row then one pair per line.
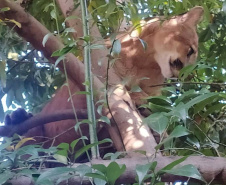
x,y
20,61
174,83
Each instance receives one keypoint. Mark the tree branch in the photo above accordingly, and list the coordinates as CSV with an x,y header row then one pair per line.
x,y
189,83
211,168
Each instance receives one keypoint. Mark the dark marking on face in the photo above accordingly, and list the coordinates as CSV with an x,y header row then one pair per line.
x,y
176,64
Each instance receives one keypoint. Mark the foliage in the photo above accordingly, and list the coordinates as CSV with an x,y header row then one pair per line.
x,y
191,110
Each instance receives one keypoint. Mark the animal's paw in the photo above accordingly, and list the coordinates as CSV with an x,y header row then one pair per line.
x,y
139,98
18,116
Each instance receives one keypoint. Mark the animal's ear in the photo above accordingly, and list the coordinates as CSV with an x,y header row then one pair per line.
x,y
194,16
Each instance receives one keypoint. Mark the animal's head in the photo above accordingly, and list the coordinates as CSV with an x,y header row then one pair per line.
x,y
176,42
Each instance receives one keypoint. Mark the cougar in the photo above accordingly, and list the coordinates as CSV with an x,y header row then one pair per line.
x,y
159,51
155,51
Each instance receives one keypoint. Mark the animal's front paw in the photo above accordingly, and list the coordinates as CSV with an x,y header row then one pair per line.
x,y
139,98
16,117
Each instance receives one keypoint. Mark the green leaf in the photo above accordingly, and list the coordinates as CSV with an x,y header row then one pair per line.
x,y
61,52
181,111
46,9
15,22
205,35
64,146
160,100
63,178
142,171
116,47
186,96
53,14
187,171
105,120
213,108
72,17
159,108
45,38
87,147
99,109
224,6
99,181
3,73
179,131
144,44
85,121
199,99
60,158
201,105
186,71
157,121
135,88
111,9
53,173
61,58
83,92
74,143
2,114
5,176
100,167
173,164
113,156
83,169
4,9
10,97
114,171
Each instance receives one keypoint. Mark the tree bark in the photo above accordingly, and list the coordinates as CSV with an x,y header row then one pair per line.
x,y
212,169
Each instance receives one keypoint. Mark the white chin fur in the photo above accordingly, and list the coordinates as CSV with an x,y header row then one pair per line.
x,y
164,65
166,72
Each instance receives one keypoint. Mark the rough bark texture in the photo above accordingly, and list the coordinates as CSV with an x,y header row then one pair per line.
x,y
211,168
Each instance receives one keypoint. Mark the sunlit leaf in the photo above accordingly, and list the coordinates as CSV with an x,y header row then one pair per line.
x,y
53,173
3,73
87,147
118,171
157,121
15,22
187,171
23,141
45,38
116,47
142,171
4,9
60,158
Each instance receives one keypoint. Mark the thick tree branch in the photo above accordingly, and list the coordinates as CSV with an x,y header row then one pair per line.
x,y
211,168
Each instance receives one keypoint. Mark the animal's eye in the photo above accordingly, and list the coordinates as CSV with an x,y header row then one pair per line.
x,y
190,52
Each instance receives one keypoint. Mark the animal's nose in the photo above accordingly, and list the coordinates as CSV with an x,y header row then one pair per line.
x,y
177,64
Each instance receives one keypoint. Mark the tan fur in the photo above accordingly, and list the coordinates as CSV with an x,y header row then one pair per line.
x,y
167,41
